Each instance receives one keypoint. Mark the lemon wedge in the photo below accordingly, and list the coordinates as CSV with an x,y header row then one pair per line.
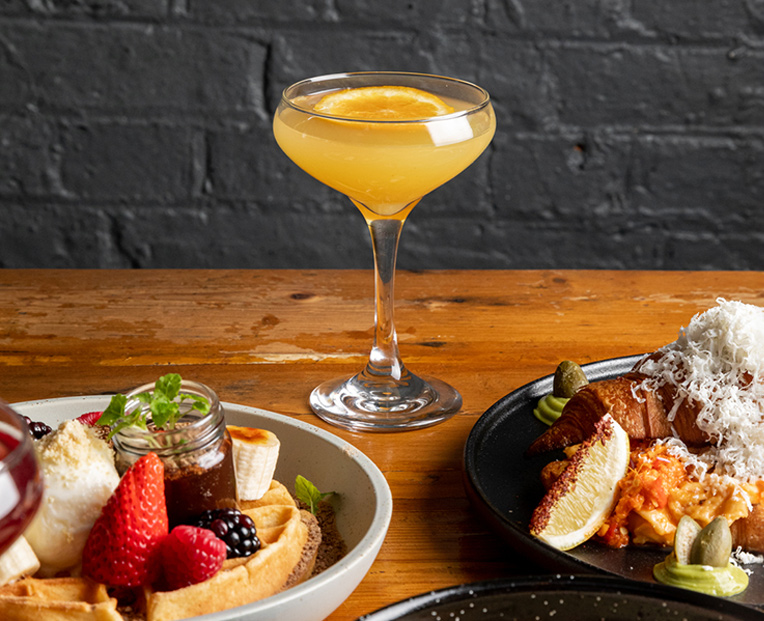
x,y
581,499
383,103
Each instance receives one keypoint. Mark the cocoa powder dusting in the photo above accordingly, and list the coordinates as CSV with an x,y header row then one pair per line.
x,y
333,546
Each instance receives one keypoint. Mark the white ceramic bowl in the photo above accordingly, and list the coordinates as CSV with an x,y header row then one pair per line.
x,y
362,502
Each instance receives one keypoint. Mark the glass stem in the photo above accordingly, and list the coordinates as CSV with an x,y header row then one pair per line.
x,y
384,359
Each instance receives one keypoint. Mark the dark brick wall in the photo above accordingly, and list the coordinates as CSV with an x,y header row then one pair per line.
x,y
136,133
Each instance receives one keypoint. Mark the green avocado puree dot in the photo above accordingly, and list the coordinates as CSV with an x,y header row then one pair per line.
x,y
549,408
720,581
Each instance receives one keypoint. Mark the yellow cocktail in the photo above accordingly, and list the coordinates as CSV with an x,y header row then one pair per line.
x,y
384,139
385,165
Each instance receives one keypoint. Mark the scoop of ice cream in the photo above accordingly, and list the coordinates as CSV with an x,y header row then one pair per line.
x,y
79,476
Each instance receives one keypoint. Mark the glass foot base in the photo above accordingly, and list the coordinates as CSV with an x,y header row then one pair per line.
x,y
363,403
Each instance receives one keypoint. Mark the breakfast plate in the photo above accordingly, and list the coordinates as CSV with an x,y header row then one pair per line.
x,y
505,487
561,598
362,502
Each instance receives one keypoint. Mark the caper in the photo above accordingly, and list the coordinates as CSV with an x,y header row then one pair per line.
x,y
713,545
568,378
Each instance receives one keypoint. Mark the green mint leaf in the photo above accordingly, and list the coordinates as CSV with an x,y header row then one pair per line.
x,y
163,403
117,427
308,493
163,411
201,405
136,418
168,386
114,411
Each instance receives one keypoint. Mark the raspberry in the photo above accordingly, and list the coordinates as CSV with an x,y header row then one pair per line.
x,y
235,528
190,555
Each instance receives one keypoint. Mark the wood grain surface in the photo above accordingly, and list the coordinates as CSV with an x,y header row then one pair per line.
x,y
265,338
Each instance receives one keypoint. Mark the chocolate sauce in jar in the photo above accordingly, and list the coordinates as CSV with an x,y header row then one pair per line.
x,y
193,489
197,456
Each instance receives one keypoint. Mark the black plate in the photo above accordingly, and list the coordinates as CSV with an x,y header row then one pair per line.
x,y
505,488
562,598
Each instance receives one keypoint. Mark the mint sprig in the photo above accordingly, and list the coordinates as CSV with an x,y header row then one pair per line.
x,y
309,493
163,404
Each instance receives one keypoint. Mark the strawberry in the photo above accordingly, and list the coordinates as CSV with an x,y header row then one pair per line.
x,y
90,418
122,546
189,555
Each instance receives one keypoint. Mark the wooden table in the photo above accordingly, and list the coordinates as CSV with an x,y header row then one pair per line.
x,y
265,338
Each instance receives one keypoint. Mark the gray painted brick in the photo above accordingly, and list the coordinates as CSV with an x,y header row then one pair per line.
x,y
86,8
656,85
401,13
686,19
120,162
228,12
236,236
405,12
692,20
704,250
16,86
570,18
295,57
55,236
699,172
630,134
163,68
571,176
29,157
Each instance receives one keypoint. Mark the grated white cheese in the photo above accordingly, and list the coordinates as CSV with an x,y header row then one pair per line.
x,y
741,557
718,362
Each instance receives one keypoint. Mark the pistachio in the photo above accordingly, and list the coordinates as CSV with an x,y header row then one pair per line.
x,y
568,378
713,545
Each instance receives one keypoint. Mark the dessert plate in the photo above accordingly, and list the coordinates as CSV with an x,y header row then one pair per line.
x,y
561,598
505,487
363,503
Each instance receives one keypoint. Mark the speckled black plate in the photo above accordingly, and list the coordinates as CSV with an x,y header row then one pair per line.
x,y
504,487
563,598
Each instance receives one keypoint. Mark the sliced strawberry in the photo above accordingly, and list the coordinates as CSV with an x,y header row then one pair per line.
x,y
122,546
90,418
189,555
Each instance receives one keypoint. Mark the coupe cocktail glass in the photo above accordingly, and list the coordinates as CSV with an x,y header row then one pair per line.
x,y
20,479
385,158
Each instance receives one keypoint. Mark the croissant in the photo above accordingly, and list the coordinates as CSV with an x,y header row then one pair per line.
x,y
643,412
748,532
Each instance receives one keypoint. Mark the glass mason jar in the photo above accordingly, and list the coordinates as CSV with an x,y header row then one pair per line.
x,y
197,454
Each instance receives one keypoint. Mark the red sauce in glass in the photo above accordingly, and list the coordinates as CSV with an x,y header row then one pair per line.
x,y
22,492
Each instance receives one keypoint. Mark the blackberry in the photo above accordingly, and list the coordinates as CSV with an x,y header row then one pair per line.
x,y
236,529
37,429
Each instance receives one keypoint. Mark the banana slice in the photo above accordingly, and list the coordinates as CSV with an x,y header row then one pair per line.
x,y
17,561
255,453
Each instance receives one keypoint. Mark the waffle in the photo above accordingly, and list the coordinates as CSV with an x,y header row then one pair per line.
x,y
289,536
57,599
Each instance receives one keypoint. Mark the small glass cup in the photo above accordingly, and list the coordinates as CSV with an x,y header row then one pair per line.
x,y
21,483
197,454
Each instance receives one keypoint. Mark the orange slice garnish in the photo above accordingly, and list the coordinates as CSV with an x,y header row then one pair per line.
x,y
383,103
